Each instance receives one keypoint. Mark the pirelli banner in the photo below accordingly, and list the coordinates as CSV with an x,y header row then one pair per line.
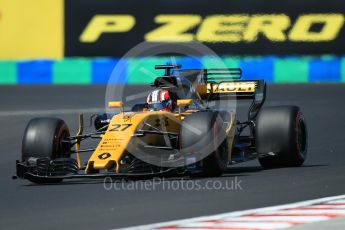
x,y
57,28
110,27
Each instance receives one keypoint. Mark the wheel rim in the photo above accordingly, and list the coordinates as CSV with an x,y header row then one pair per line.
x,y
62,148
302,138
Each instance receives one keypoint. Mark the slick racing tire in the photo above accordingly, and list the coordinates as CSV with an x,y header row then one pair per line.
x,y
43,139
203,134
281,137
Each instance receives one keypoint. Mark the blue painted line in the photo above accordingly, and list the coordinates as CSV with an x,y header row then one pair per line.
x,y
34,72
320,69
118,74
258,68
190,62
324,70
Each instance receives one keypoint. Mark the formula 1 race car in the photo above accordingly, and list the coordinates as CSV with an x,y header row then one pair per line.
x,y
175,132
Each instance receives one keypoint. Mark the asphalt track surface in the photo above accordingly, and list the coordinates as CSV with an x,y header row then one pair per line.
x,y
88,205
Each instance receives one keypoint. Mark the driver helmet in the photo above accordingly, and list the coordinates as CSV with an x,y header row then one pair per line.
x,y
159,100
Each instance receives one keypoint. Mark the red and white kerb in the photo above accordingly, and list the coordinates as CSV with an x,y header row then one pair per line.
x,y
276,217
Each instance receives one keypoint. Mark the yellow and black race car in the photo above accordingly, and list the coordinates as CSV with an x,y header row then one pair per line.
x,y
175,132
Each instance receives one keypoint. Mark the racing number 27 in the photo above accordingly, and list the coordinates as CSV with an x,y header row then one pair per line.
x,y
120,127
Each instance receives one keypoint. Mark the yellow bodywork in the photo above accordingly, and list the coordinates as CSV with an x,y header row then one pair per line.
x,y
119,136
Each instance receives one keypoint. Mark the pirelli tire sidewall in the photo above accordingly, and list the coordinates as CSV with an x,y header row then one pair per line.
x,y
281,130
203,135
43,139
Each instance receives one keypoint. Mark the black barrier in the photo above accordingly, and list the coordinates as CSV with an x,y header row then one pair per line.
x,y
112,27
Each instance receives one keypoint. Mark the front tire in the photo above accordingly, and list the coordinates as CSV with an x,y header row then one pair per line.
x,y
203,135
281,137
45,138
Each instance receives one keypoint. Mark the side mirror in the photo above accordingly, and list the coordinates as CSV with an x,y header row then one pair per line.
x,y
184,102
115,104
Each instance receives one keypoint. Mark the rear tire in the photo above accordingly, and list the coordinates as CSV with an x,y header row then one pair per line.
x,y
202,134
281,131
43,139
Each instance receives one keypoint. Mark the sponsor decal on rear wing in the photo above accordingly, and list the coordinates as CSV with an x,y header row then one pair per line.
x,y
217,82
232,87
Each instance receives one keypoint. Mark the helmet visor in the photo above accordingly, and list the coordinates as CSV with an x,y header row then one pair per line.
x,y
158,105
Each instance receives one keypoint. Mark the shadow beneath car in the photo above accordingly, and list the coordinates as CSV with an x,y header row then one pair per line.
x,y
297,167
246,169
315,165
124,180
252,169
230,173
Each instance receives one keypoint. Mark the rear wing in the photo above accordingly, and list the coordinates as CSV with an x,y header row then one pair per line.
x,y
217,83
